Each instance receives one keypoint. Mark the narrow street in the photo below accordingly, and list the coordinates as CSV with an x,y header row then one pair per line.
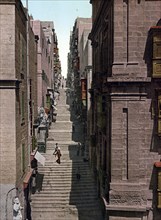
x,y
62,196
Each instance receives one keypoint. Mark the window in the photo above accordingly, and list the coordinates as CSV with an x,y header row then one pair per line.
x,y
159,189
22,107
156,52
42,43
22,53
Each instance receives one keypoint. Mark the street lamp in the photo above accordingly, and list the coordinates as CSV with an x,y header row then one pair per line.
x,y
7,201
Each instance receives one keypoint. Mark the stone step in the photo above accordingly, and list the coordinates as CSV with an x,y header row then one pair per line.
x,y
67,215
55,216
60,174
70,168
71,208
72,165
70,142
65,145
50,150
61,124
69,187
62,133
62,108
58,204
73,186
65,169
63,213
59,138
56,178
61,195
63,117
65,200
82,181
66,165
58,189
63,174
49,183
74,200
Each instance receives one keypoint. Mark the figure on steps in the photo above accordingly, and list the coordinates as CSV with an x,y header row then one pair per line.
x,y
56,148
78,173
78,149
57,153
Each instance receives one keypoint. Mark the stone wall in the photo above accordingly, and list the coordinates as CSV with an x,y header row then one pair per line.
x,y
120,34
13,81
133,178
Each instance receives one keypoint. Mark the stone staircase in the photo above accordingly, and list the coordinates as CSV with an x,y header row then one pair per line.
x,y
62,196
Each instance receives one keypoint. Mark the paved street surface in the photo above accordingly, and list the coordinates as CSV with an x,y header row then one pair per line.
x,y
62,196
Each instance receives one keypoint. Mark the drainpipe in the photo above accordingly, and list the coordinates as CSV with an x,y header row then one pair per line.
x,y
28,87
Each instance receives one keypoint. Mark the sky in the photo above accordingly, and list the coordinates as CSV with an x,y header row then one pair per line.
x,y
63,13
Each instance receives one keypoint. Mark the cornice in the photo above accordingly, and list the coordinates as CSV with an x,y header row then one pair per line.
x,y
96,23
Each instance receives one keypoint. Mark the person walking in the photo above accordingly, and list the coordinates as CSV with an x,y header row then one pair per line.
x,y
56,148
78,149
57,153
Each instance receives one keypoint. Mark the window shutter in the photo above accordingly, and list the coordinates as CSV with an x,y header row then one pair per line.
x,y
156,51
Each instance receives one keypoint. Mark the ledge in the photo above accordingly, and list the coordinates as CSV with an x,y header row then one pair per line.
x,y
122,208
9,84
127,208
122,79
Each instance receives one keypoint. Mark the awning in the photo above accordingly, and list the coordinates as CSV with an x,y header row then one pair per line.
x,y
32,155
40,158
27,178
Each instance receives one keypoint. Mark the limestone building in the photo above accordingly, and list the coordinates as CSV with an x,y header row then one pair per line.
x,y
17,92
77,63
125,99
44,30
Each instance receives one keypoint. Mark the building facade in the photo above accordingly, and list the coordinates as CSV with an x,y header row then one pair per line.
x,y
15,89
44,59
57,65
86,79
125,99
77,78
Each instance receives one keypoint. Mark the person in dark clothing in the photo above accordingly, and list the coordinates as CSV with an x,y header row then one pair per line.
x,y
78,173
57,153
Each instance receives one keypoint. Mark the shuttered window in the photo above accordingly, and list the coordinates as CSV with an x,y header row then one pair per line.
x,y
156,52
159,114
